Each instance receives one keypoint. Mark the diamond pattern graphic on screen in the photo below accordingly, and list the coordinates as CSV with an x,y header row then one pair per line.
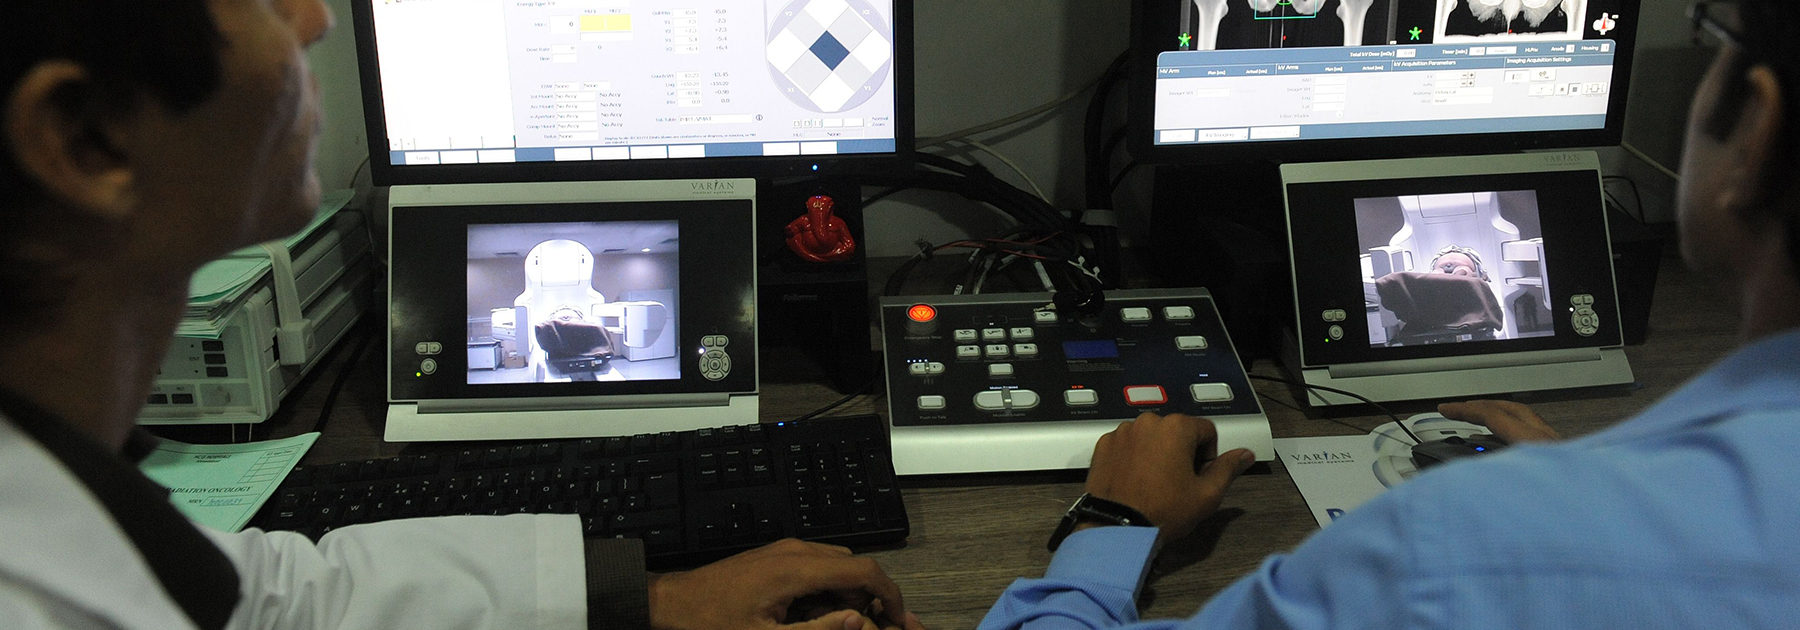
x,y
830,55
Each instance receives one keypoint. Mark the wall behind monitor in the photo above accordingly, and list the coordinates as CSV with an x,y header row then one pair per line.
x,y
985,59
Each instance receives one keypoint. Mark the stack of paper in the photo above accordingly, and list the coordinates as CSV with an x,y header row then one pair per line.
x,y
217,287
221,486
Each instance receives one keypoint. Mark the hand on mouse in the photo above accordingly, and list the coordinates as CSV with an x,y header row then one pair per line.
x,y
1510,421
767,587
1148,464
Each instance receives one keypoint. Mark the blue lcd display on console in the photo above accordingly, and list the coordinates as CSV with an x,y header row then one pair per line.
x,y
1094,349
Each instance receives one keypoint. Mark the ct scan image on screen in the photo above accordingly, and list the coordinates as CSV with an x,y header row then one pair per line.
x,y
567,302
1453,268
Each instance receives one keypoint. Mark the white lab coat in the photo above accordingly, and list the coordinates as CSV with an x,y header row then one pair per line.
x,y
65,564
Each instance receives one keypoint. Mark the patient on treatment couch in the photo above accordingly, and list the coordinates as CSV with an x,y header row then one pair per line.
x,y
1452,302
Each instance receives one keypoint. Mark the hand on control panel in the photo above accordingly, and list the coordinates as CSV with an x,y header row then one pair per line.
x,y
1148,464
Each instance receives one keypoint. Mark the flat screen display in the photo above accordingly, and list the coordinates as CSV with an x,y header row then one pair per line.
x,y
565,302
466,82
1268,72
1453,268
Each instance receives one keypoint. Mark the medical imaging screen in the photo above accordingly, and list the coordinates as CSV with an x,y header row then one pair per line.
x,y
1254,24
1453,268
497,81
1231,71
569,302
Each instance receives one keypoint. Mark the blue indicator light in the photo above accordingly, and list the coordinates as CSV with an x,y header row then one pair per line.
x,y
1480,448
815,167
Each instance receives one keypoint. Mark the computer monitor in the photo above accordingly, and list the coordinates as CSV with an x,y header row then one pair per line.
x,y
474,91
1218,81
1452,276
583,309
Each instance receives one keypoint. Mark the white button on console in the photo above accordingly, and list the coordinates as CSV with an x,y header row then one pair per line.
x,y
1178,313
993,334
990,401
1044,317
968,352
1000,370
965,335
1022,334
1190,342
1210,392
1022,399
1134,314
1145,395
916,369
928,403
1081,398
934,368
1025,349
997,351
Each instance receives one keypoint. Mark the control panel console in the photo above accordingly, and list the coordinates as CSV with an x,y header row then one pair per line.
x,y
1006,382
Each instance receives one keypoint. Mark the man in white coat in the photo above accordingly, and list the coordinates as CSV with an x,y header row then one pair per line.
x,y
138,140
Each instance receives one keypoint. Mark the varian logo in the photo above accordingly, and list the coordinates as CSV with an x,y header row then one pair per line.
x,y
1323,457
713,186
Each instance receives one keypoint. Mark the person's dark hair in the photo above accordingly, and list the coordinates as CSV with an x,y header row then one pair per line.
x,y
166,49
1771,36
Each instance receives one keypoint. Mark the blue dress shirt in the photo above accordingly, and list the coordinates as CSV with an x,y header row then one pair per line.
x,y
1687,516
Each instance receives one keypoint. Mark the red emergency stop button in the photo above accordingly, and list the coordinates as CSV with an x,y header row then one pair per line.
x,y
921,313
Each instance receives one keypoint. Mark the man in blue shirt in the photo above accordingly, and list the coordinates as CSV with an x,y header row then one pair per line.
x,y
1683,517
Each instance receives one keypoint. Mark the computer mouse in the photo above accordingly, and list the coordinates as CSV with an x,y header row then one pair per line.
x,y
1433,452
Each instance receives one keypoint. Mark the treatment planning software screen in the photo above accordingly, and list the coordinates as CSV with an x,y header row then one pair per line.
x,y
466,81
1381,91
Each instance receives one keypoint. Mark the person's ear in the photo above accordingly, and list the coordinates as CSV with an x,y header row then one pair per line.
x,y
64,136
1754,144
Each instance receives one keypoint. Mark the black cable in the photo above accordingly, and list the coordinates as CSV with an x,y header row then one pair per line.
x,y
1097,164
1355,395
343,377
1637,197
1120,178
897,279
840,402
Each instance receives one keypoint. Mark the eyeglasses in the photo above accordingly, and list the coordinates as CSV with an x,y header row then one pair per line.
x,y
1710,19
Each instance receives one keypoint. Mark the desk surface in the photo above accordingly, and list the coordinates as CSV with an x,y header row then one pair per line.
x,y
969,542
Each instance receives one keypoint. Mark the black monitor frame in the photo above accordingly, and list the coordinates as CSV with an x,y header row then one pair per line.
x,y
386,174
1147,16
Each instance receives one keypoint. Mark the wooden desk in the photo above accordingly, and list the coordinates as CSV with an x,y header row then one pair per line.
x,y
969,542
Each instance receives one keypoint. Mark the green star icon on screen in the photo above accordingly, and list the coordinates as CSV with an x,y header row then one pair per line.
x,y
1185,38
1416,32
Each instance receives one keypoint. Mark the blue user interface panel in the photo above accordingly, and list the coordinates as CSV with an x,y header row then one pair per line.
x,y
498,81
1286,94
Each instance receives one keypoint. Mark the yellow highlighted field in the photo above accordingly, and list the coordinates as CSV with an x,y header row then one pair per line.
x,y
605,23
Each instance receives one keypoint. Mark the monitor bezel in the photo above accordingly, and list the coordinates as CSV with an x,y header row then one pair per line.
x,y
383,173
1314,293
426,278
1142,109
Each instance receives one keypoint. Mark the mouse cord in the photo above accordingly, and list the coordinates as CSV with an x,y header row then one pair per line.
x,y
1355,395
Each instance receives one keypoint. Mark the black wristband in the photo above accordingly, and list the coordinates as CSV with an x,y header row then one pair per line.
x,y
1090,508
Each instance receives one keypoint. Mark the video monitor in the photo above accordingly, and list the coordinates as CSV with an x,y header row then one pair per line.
x,y
470,91
1453,267
565,302
1451,276
1308,80
643,298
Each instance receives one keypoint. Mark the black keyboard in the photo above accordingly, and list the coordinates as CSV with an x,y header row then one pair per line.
x,y
692,496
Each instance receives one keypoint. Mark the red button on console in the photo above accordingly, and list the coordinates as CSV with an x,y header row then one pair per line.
x,y
1146,395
